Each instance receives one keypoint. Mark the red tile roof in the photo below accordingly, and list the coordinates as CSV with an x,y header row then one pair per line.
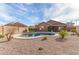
x,y
55,23
16,24
51,23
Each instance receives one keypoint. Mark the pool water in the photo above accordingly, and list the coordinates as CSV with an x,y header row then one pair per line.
x,y
36,34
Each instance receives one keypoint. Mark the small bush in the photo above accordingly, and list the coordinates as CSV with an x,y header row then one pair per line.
x,y
44,38
74,30
40,48
63,33
1,36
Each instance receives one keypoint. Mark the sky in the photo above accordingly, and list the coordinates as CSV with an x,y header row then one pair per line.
x,y
34,13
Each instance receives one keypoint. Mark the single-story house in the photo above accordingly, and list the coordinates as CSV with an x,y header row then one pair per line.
x,y
42,26
56,26
17,27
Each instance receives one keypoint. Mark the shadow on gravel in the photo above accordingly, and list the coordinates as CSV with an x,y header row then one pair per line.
x,y
60,40
4,41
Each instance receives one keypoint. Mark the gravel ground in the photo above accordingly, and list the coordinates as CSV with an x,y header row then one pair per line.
x,y
50,46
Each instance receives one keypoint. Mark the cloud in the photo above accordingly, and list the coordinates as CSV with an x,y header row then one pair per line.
x,y
2,23
7,17
33,20
3,14
62,12
71,16
32,14
10,14
57,10
29,3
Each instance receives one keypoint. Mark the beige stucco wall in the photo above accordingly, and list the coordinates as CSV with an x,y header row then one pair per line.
x,y
12,28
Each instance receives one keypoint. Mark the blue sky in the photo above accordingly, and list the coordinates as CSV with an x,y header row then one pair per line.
x,y
33,13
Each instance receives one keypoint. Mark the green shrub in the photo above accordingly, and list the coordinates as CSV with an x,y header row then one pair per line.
x,y
63,28
44,38
63,33
74,30
1,36
40,48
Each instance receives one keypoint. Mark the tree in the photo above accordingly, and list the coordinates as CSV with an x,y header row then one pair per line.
x,y
32,29
9,34
63,33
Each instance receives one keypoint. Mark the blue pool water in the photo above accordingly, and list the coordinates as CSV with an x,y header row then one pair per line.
x,y
37,34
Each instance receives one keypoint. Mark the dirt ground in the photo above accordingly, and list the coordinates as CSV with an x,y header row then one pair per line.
x,y
51,46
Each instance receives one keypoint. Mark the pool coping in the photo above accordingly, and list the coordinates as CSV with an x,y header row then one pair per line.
x,y
17,36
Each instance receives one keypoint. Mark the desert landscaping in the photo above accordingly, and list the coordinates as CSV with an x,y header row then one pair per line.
x,y
39,29
51,46
39,42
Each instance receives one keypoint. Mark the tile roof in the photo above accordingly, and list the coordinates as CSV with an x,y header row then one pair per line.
x,y
55,23
16,24
52,23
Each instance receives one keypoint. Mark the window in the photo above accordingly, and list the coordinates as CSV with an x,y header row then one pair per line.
x,y
42,27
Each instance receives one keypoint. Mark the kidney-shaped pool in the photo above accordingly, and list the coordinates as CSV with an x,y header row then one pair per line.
x,y
29,35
